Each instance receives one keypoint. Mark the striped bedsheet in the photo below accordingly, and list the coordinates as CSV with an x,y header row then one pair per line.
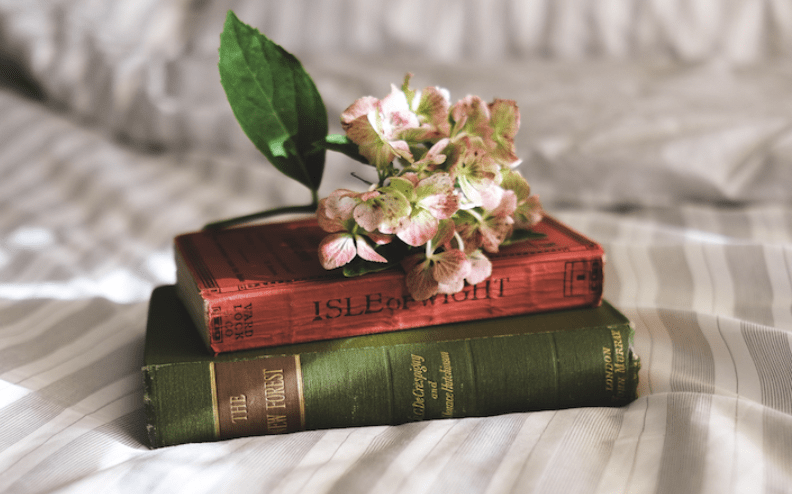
x,y
86,231
662,129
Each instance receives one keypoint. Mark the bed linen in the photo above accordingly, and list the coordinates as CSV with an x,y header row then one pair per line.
x,y
662,129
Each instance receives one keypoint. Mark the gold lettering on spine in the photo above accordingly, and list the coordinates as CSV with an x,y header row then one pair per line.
x,y
277,399
237,406
615,367
447,384
259,396
274,389
300,396
215,411
618,344
608,359
277,424
419,380
619,364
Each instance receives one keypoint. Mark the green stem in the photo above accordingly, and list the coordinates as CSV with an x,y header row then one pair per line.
x,y
473,213
308,208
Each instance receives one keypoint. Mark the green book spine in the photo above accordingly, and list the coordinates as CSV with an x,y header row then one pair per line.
x,y
578,357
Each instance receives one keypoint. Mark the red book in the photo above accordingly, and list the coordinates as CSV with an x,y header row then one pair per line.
x,y
262,285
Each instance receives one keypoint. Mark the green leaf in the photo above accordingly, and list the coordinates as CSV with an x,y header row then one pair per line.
x,y
274,100
359,267
341,144
520,235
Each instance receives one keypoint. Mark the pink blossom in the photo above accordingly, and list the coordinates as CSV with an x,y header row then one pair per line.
x,y
471,118
377,127
446,182
433,157
431,106
447,274
384,210
441,269
432,199
436,194
360,108
480,267
528,211
477,174
339,249
336,209
490,229
442,272
505,122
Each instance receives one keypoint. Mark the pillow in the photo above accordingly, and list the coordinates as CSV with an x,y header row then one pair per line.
x,y
120,62
595,130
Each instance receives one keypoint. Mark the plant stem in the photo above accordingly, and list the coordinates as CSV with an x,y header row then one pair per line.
x,y
308,208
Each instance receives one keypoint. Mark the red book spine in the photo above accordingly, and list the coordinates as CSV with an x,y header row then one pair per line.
x,y
562,271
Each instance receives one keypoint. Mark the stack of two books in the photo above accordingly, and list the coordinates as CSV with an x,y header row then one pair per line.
x,y
257,338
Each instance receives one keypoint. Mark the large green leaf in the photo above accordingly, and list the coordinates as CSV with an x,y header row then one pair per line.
x,y
274,100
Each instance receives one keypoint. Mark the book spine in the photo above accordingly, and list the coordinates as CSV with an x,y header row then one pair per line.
x,y
301,312
391,384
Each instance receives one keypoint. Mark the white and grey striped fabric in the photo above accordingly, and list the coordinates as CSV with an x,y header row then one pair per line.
x,y
663,129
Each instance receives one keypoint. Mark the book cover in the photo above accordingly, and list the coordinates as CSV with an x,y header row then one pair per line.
x,y
262,285
560,359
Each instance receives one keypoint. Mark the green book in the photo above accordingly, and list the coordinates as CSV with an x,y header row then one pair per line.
x,y
570,358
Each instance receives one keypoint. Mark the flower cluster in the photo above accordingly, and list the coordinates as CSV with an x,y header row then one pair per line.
x,y
447,188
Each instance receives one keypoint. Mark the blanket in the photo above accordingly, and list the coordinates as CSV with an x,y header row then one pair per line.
x,y
661,129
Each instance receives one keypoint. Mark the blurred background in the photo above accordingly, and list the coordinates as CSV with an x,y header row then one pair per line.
x,y
623,101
